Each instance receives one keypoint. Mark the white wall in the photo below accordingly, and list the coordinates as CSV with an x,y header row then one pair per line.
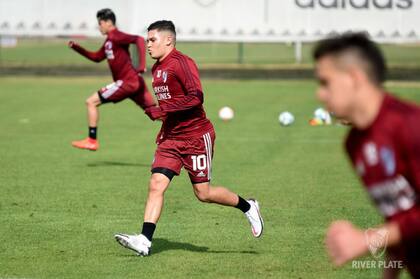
x,y
220,20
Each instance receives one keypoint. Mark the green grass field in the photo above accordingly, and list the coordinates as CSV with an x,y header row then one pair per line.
x,y
60,207
41,52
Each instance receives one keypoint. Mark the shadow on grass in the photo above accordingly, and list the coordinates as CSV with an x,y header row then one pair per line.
x,y
161,245
116,164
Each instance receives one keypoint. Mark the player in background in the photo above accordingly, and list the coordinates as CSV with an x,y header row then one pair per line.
x,y
384,148
186,138
128,82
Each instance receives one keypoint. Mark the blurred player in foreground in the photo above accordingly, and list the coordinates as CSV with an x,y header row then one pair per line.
x,y
186,138
128,83
384,148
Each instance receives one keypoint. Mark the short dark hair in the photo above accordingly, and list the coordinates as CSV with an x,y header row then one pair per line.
x,y
359,44
106,14
163,25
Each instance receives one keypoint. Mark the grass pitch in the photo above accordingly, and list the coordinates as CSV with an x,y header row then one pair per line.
x,y
60,207
55,52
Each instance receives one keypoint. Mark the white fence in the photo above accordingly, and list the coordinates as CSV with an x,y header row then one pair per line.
x,y
219,20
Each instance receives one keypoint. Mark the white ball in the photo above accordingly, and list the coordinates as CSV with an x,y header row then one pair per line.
x,y
323,115
226,113
286,118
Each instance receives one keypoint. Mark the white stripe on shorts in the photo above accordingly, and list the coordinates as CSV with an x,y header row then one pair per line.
x,y
208,144
111,89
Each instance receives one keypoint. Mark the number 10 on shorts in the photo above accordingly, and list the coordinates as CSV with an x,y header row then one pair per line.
x,y
199,162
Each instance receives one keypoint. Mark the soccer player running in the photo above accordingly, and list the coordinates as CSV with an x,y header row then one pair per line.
x,y
384,148
128,83
186,138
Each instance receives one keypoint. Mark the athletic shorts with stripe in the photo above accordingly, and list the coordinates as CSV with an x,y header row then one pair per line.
x,y
120,90
194,154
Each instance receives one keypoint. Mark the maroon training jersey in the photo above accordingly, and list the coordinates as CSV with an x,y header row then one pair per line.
x,y
115,50
386,156
177,86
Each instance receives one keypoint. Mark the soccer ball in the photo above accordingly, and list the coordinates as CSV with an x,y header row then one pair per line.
x,y
226,113
322,115
286,118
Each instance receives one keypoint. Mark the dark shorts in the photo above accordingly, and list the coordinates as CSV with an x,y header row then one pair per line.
x,y
120,90
194,154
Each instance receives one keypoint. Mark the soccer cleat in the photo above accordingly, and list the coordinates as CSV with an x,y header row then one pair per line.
x,y
138,243
254,218
87,143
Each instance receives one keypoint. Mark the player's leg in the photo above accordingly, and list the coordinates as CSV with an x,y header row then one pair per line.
x,y
91,142
142,243
92,104
223,196
198,163
159,183
216,194
114,92
165,166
